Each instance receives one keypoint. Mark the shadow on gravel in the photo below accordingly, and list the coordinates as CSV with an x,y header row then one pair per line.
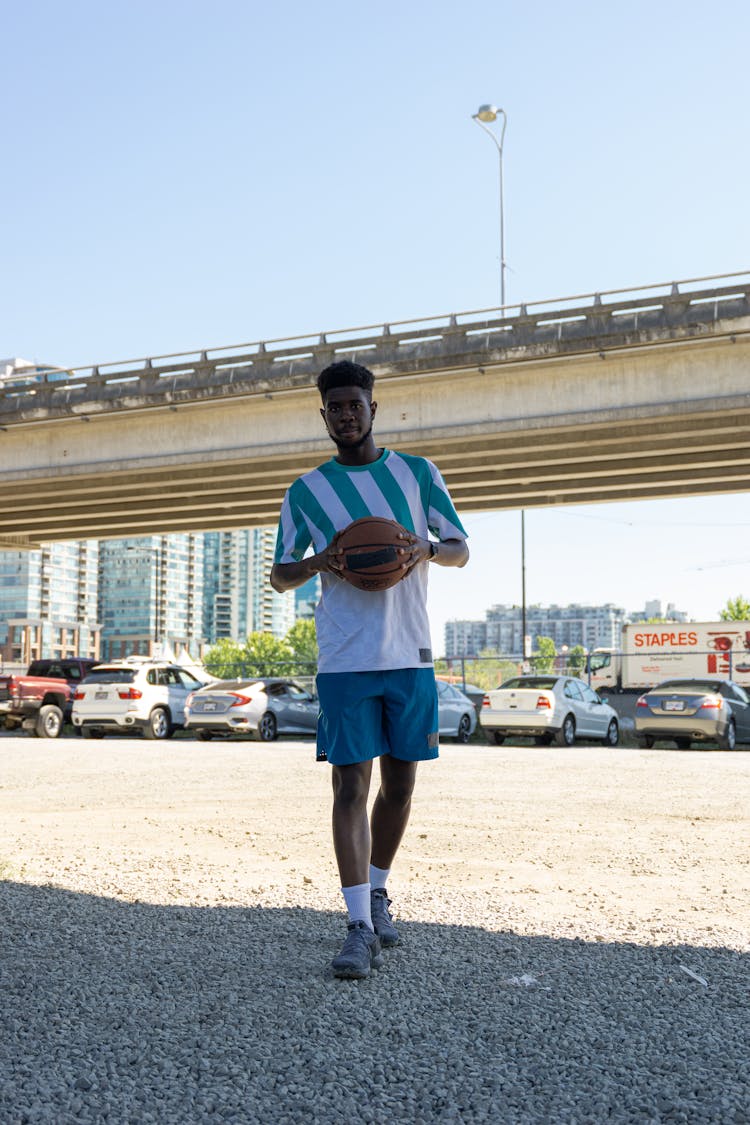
x,y
123,1012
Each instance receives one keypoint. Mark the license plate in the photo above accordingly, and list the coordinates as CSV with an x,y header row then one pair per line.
x,y
209,706
674,705
100,695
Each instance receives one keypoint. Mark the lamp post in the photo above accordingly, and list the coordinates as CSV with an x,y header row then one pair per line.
x,y
486,115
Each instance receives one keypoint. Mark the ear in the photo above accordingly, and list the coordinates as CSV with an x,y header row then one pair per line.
x,y
323,413
373,408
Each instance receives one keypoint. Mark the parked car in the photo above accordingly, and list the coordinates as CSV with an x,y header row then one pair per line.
x,y
263,707
266,707
548,708
687,711
134,694
40,699
457,715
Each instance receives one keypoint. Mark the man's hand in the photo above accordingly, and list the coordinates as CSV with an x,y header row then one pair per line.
x,y
448,552
414,551
330,558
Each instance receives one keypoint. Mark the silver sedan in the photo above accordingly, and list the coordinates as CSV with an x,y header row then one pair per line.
x,y
263,708
687,711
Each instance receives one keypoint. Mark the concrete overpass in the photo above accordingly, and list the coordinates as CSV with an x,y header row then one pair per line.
x,y
624,395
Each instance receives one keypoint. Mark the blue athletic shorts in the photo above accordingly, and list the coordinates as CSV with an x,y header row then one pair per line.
x,y
366,714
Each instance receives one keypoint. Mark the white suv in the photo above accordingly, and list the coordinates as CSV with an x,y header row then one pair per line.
x,y
145,695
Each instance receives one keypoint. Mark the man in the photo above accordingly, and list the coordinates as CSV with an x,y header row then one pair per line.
x,y
376,682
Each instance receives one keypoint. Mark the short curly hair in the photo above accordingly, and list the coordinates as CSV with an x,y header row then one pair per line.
x,y
344,373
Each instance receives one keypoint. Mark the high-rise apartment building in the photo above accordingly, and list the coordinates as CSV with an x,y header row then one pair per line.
x,y
151,594
306,597
272,612
228,578
48,602
238,597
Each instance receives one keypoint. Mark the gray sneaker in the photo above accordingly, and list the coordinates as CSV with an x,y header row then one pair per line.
x,y
381,918
359,953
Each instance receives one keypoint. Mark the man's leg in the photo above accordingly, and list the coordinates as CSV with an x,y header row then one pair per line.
x,y
351,832
390,815
351,842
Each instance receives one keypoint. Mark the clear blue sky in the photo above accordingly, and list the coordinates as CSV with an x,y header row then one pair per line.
x,y
179,175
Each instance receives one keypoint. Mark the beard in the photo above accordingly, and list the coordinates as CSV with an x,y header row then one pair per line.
x,y
341,444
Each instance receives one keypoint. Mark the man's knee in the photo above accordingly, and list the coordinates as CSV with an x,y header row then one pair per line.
x,y
351,786
397,781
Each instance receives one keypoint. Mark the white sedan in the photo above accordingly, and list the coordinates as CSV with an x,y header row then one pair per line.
x,y
548,708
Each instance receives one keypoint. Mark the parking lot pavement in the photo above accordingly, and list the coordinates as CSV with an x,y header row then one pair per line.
x,y
575,938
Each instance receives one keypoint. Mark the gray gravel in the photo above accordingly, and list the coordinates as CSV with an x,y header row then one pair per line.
x,y
149,975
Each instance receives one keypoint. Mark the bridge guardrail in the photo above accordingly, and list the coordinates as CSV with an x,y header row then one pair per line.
x,y
582,322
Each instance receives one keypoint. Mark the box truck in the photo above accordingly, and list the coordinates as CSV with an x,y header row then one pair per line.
x,y
649,654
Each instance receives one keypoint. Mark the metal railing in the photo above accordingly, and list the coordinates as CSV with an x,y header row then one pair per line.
x,y
547,321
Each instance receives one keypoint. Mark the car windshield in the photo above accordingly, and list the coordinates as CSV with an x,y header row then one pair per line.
x,y
111,676
536,683
689,685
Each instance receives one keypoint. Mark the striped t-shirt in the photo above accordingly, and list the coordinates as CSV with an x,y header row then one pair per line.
x,y
360,630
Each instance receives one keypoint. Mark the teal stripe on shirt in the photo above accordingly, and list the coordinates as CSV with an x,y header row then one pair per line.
x,y
308,503
420,470
346,491
395,497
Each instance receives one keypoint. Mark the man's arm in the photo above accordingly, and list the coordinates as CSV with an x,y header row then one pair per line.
x,y
450,552
288,576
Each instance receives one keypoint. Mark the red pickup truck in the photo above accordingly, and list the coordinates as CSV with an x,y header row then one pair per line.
x,y
40,700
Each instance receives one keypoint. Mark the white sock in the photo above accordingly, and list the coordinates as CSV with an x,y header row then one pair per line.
x,y
357,901
379,876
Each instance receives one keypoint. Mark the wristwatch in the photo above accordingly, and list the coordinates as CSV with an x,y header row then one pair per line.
x,y
433,551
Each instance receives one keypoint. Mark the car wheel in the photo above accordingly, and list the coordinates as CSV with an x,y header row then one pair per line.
x,y
612,736
464,729
158,725
498,738
205,735
49,721
267,727
728,740
646,741
566,735
683,743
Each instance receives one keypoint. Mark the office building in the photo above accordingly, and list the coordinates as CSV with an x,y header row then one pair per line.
x,y
501,631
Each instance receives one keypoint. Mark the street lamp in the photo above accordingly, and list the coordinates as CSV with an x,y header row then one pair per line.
x,y
486,115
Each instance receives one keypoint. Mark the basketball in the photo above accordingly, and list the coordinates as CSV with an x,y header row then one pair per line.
x,y
371,560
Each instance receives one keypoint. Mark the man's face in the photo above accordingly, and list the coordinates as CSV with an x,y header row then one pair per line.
x,y
348,414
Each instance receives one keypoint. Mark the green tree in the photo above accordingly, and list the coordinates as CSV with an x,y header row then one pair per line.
x,y
224,659
266,655
736,609
488,670
302,640
544,658
577,660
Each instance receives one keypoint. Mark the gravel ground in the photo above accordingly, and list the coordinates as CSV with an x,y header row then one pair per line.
x,y
575,928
